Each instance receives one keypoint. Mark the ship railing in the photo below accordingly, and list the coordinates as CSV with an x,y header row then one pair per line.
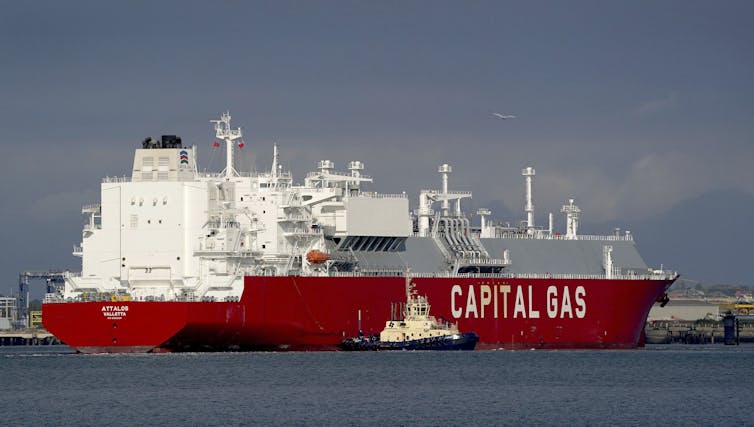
x,y
73,274
294,218
59,299
399,271
334,176
628,238
111,296
302,232
483,261
52,298
454,193
116,179
230,253
205,174
541,236
371,195
318,189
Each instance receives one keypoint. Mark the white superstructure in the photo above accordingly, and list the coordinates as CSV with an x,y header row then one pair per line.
x,y
169,232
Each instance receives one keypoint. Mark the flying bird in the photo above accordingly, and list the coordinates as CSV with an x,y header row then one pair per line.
x,y
503,116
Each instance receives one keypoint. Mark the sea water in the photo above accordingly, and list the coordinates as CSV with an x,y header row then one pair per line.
x,y
657,385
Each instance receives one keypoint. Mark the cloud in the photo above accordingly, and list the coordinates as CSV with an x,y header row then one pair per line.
x,y
658,105
633,189
656,182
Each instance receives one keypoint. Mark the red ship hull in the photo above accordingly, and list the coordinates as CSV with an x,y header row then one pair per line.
x,y
317,313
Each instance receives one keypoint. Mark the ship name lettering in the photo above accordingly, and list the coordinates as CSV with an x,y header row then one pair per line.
x,y
481,298
114,312
564,308
471,304
520,307
110,308
580,303
455,290
505,290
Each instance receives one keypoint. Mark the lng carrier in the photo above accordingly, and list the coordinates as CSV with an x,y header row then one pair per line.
x,y
174,259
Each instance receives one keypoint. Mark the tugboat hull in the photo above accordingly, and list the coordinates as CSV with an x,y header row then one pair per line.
x,y
466,341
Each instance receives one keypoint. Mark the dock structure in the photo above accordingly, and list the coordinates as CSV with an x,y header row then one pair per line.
x,y
19,324
8,309
697,332
27,337
53,280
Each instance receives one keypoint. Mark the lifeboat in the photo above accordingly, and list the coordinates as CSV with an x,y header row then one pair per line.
x,y
316,256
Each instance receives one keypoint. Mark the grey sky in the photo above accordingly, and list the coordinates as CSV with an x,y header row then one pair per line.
x,y
636,109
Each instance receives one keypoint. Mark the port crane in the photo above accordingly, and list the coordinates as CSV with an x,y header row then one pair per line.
x,y
53,279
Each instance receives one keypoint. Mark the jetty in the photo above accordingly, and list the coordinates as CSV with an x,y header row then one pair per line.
x,y
703,331
27,337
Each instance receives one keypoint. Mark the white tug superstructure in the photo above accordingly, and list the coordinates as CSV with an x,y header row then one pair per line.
x,y
417,323
413,329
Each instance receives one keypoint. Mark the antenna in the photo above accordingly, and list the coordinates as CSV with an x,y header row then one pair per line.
x,y
223,131
275,158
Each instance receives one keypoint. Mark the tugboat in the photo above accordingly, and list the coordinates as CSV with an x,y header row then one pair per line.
x,y
417,330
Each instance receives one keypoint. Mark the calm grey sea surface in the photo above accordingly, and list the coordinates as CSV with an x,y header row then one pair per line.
x,y
658,385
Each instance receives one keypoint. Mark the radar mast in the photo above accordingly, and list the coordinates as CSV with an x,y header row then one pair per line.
x,y
223,131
